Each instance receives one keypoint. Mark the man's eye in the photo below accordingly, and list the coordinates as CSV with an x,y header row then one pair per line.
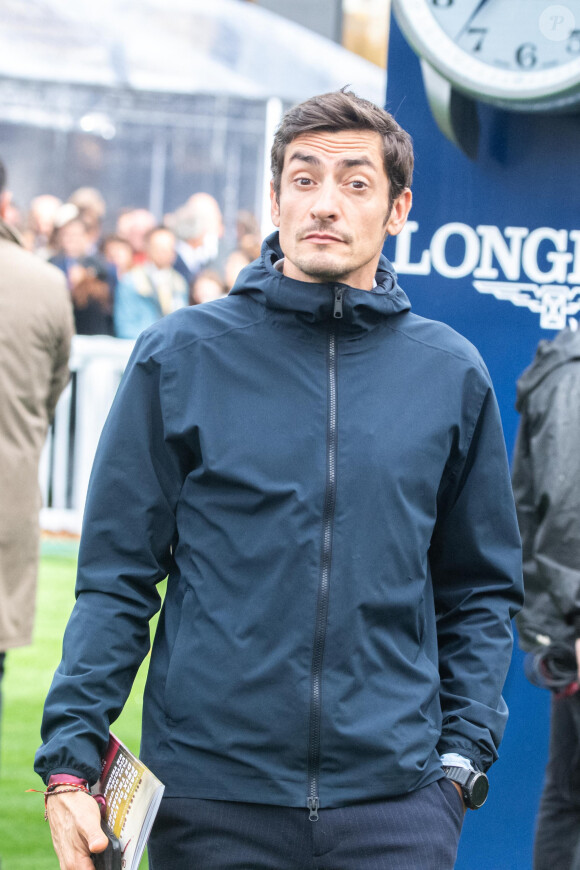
x,y
303,182
358,185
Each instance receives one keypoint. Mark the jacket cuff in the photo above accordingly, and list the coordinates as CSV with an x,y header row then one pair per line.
x,y
457,746
577,625
68,778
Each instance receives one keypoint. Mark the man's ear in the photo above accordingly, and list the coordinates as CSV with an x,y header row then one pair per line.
x,y
274,206
399,213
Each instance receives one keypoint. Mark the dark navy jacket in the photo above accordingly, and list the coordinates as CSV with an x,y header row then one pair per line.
x,y
330,497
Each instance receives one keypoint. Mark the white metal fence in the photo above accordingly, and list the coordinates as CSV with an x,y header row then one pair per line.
x,y
97,363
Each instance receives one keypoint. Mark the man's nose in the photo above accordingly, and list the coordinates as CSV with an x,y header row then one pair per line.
x,y
325,204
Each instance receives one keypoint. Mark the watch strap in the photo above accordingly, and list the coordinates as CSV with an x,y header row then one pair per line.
x,y
460,775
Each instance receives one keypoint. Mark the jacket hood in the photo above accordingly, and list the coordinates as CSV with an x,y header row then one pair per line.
x,y
362,309
550,355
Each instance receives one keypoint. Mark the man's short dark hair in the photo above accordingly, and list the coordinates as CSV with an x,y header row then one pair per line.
x,y
2,176
343,110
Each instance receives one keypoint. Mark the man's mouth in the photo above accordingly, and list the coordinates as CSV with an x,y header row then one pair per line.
x,y
322,238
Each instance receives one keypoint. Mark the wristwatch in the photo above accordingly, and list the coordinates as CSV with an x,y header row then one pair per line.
x,y
474,784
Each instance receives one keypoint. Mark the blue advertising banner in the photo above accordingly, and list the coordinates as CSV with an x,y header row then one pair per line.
x,y
492,247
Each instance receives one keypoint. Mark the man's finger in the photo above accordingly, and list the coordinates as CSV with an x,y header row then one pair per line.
x,y
97,840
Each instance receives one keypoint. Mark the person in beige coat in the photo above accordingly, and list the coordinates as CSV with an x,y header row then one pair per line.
x,y
36,327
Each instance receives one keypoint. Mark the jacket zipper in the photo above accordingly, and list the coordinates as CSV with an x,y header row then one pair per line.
x,y
313,802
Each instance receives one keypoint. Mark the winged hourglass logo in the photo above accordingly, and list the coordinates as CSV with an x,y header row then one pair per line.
x,y
553,302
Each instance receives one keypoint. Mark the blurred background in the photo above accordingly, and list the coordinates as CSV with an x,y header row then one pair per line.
x,y
151,100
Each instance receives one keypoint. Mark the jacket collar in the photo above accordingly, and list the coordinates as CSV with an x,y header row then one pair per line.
x,y
362,309
9,233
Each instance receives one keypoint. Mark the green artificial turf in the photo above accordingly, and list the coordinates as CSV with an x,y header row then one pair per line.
x,y
25,842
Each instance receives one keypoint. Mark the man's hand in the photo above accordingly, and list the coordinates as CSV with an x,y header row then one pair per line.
x,y
75,825
458,787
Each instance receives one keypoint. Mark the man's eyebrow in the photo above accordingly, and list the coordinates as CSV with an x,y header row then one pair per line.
x,y
349,162
305,158
346,163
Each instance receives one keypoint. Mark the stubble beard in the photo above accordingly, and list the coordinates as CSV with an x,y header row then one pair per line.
x,y
325,271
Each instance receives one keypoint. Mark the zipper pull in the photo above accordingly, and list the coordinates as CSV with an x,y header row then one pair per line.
x,y
313,807
338,302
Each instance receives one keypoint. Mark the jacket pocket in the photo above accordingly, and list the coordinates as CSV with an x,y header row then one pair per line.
x,y
176,696
452,797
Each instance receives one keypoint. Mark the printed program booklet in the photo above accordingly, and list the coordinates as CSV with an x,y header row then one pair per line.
x,y
133,795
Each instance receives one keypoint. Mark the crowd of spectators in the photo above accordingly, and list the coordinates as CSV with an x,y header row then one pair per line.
x,y
122,281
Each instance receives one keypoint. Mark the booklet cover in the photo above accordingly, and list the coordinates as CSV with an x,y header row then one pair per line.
x,y
133,795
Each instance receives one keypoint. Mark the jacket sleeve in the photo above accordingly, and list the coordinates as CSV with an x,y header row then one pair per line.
x,y
129,530
475,560
546,480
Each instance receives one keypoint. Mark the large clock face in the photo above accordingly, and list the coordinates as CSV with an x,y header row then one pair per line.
x,y
524,52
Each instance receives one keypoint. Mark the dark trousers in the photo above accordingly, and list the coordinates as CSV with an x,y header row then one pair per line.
x,y
557,843
418,831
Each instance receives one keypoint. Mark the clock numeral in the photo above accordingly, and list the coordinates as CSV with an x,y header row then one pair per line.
x,y
573,46
479,33
526,55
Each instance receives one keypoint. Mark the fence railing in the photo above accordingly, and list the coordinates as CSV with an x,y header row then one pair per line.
x,y
97,363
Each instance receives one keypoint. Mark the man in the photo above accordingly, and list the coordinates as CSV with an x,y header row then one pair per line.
x,y
546,478
152,290
134,225
40,224
92,209
199,228
36,326
323,476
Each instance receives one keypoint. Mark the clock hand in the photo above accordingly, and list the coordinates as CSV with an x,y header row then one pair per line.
x,y
473,15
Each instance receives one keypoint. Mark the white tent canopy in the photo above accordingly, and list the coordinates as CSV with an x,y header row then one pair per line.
x,y
178,46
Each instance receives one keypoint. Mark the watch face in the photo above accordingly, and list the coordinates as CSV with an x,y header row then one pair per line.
x,y
479,790
520,53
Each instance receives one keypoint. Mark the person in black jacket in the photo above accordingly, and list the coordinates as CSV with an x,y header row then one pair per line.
x,y
546,479
322,475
